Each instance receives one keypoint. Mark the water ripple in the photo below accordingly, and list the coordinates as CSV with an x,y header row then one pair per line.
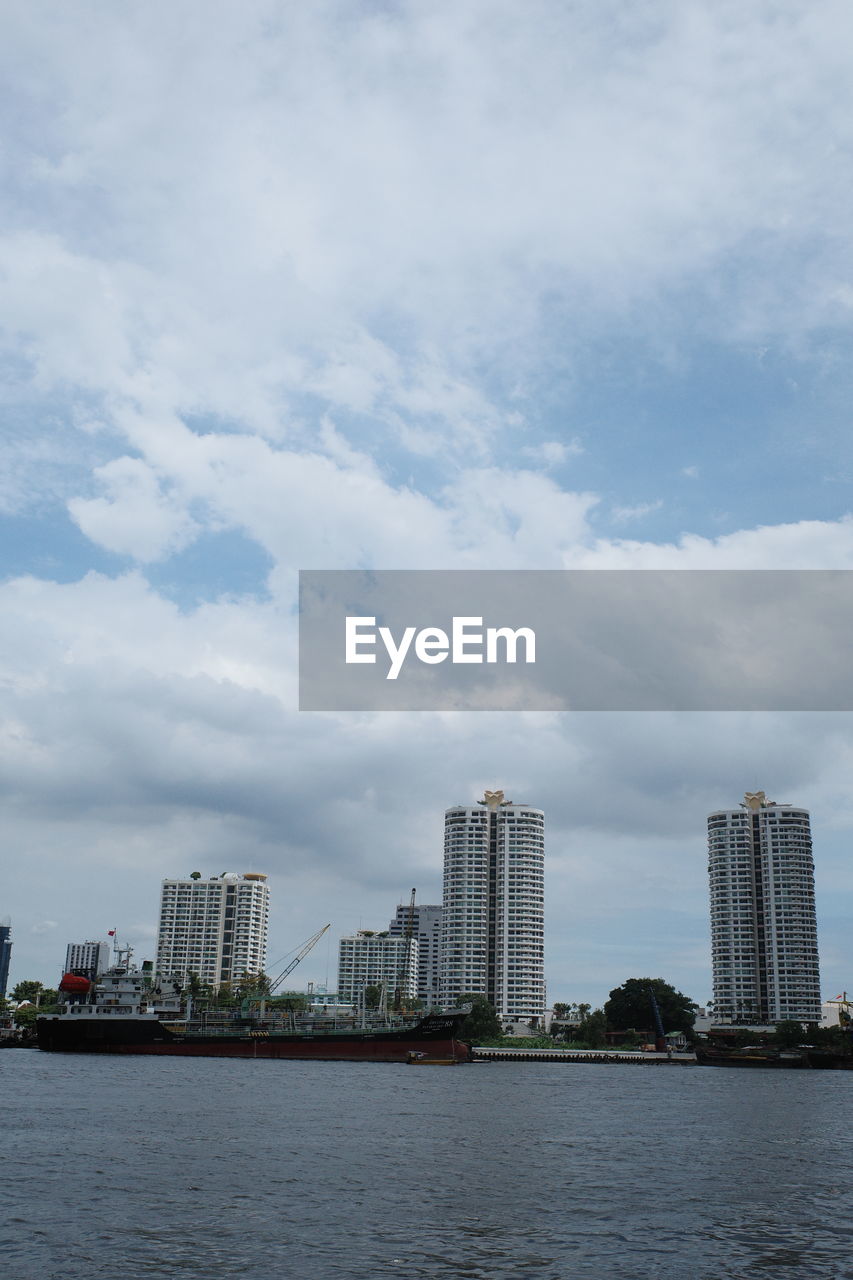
x,y
207,1169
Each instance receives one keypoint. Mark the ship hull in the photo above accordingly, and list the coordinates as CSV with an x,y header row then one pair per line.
x,y
732,1058
148,1036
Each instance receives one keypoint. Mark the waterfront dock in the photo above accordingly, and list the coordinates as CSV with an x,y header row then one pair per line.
x,y
600,1056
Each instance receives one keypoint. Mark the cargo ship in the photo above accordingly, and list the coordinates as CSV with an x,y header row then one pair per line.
x,y
752,1056
806,1058
127,1011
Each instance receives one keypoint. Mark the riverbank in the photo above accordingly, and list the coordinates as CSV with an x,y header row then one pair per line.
x,y
634,1057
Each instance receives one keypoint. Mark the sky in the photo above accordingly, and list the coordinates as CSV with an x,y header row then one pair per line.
x,y
404,286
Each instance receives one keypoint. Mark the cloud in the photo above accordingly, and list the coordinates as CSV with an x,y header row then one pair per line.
x,y
137,517
145,740
331,277
43,926
376,209
624,515
553,453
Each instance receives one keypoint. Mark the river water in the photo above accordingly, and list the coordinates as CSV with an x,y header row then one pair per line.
x,y
199,1169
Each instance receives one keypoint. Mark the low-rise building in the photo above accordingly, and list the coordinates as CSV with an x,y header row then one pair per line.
x,y
367,959
426,927
89,959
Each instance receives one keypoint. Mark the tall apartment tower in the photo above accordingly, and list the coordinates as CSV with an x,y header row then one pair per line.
x,y
216,928
5,952
89,959
763,925
426,927
492,940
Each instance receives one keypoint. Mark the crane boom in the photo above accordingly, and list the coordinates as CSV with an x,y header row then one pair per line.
x,y
408,934
660,1037
301,954
410,918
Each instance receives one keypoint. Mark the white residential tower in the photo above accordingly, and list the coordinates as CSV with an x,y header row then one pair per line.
x,y
763,926
493,915
216,928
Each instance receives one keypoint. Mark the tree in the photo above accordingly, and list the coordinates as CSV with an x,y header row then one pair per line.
x,y
251,986
789,1034
195,987
27,990
482,1022
194,984
629,1006
288,1002
592,1030
372,996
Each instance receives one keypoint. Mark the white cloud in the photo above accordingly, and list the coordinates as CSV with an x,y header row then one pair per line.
x,y
325,236
43,926
803,544
624,515
330,509
150,740
137,517
371,208
553,453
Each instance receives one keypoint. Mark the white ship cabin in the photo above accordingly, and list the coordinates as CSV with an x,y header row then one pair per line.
x,y
125,991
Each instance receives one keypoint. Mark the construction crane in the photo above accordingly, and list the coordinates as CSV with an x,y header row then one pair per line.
x,y
660,1037
408,934
300,955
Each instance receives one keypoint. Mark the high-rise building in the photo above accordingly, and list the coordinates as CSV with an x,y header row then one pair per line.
x,y
216,928
763,926
368,959
5,953
89,959
492,940
426,927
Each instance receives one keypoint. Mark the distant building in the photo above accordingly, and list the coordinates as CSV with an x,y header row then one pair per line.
x,y
493,916
5,953
763,924
426,927
837,1012
215,928
89,959
367,959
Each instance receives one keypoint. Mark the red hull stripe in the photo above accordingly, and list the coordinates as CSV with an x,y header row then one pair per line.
x,y
294,1050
